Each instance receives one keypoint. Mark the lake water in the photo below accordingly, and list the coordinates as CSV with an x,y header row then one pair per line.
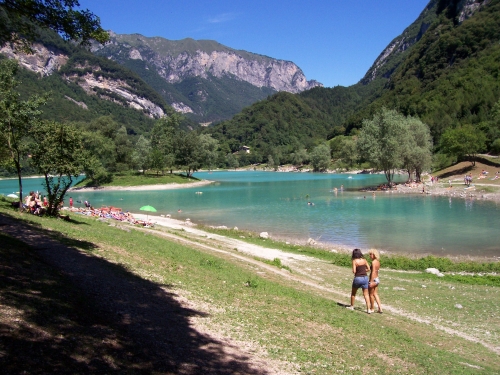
x,y
278,204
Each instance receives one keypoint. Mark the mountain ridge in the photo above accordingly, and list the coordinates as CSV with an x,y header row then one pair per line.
x,y
206,63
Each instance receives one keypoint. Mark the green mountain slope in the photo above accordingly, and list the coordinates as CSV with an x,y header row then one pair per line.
x,y
289,122
204,79
444,69
69,101
451,77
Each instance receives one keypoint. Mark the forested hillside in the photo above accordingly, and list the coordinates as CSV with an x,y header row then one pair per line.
x,y
204,79
286,122
69,101
451,77
444,69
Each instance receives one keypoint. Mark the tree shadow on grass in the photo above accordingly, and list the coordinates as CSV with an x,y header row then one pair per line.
x,y
455,172
63,310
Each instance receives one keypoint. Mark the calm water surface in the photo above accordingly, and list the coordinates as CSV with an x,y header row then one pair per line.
x,y
278,203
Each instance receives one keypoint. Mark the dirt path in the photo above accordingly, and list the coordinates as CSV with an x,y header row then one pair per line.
x,y
302,266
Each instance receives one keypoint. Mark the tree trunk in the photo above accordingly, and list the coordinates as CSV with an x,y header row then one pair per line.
x,y
18,167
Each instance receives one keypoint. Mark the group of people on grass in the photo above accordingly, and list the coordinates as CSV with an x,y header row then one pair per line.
x,y
111,213
35,203
369,284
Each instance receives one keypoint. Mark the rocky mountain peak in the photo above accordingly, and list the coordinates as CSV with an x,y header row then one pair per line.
x,y
176,61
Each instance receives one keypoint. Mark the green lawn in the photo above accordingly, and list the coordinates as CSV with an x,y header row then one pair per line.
x,y
138,179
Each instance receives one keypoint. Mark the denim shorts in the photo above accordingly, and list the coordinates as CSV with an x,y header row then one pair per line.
x,y
360,282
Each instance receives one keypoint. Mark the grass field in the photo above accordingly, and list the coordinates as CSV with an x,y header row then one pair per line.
x,y
293,318
139,179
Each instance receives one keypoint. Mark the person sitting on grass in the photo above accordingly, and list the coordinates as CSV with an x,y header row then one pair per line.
x,y
360,269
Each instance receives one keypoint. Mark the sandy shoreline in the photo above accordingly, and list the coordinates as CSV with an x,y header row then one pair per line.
x,y
145,187
269,253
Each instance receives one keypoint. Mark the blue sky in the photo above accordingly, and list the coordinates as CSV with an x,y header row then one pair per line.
x,y
333,41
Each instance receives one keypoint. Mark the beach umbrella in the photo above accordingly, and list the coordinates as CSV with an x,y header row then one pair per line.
x,y
12,196
149,209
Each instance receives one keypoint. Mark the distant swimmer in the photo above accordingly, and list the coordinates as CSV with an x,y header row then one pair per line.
x,y
179,210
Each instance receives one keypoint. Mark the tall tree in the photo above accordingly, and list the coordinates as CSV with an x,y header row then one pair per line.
x,y
463,141
124,150
164,138
20,19
382,141
418,155
188,153
349,151
208,150
231,161
59,155
141,154
157,160
321,157
299,157
18,118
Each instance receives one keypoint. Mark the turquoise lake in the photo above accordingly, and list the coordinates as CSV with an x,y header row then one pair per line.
x,y
277,203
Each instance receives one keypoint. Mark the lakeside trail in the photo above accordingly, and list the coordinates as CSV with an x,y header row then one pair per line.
x,y
157,318
311,271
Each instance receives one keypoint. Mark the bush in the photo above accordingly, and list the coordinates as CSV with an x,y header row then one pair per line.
x,y
495,146
441,161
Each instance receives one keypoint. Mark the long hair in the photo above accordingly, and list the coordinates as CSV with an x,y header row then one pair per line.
x,y
357,254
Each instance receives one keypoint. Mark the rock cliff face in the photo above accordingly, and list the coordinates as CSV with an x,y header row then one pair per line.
x,y
176,61
199,77
43,61
122,89
47,61
276,74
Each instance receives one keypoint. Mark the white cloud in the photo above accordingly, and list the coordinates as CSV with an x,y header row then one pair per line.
x,y
223,17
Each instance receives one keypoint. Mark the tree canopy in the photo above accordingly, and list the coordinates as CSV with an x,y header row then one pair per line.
x,y
18,118
463,141
59,155
391,141
20,20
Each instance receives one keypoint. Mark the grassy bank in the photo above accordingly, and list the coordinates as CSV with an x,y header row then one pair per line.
x,y
138,179
299,327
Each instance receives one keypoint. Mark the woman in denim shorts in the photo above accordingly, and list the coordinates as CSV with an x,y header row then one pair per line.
x,y
360,269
